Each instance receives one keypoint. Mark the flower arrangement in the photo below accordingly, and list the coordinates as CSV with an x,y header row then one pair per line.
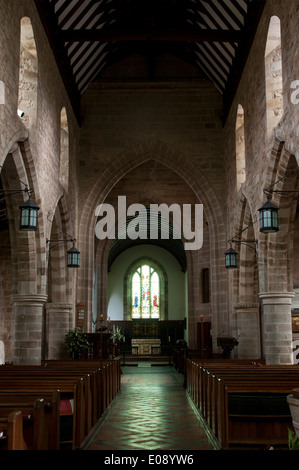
x,y
75,341
117,334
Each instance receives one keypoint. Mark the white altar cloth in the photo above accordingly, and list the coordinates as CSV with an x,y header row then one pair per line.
x,y
146,346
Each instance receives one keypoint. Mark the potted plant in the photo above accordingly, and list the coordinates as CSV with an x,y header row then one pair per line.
x,y
293,401
293,440
76,342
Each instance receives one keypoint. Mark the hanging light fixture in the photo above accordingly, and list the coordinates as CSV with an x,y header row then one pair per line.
x,y
269,222
231,258
269,218
28,210
28,215
73,255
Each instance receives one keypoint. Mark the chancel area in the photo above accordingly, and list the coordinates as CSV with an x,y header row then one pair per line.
x,y
149,191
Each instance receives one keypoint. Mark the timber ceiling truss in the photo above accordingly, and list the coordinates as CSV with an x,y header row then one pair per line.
x,y
88,36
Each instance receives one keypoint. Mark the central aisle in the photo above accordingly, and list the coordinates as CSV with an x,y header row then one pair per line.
x,y
152,412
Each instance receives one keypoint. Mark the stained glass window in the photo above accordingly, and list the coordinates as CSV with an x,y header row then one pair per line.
x,y
145,293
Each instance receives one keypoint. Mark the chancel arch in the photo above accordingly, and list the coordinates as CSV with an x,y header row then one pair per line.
x,y
165,165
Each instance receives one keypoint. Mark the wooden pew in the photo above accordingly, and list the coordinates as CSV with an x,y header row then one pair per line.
x,y
108,374
90,386
67,370
11,432
105,382
35,430
69,389
215,386
19,398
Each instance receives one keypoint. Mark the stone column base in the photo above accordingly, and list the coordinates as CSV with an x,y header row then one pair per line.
x,y
58,321
248,330
277,326
29,313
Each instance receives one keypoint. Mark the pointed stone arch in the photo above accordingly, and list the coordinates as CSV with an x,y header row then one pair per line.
x,y
60,308
246,317
193,177
276,259
27,257
283,176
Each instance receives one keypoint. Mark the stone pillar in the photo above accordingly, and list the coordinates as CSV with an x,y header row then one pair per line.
x,y
277,327
58,322
248,331
29,315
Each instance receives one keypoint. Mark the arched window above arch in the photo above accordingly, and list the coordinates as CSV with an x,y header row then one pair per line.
x,y
2,92
240,147
28,74
64,149
273,71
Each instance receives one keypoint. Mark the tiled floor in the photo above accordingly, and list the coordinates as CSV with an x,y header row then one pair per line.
x,y
152,412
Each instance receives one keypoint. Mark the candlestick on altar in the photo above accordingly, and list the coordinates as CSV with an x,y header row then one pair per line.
x,y
101,333
201,338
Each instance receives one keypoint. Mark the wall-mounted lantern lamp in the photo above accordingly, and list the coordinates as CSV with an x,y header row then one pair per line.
x,y
269,222
231,256
73,255
269,217
28,210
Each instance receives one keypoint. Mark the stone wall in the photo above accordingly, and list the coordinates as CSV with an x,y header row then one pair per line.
x,y
269,156
30,149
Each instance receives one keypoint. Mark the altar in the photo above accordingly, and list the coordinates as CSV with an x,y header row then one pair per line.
x,y
146,346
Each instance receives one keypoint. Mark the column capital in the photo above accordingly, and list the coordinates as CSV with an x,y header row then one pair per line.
x,y
29,299
270,298
246,305
59,306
